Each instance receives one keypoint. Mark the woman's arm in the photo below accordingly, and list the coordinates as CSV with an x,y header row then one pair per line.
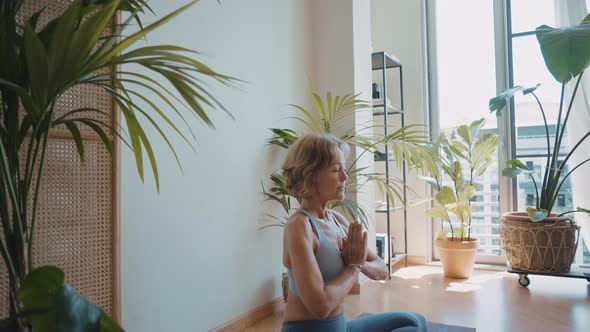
x,y
319,299
374,267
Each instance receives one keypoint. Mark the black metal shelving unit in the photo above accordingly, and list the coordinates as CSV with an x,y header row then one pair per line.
x,y
382,62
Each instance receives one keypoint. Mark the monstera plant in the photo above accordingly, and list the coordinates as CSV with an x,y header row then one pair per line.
x,y
38,66
566,52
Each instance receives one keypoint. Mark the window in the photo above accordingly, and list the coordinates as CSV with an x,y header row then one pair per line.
x,y
478,68
476,208
475,68
561,200
530,200
477,198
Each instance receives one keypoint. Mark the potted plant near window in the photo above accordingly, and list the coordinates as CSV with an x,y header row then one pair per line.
x,y
462,159
538,240
38,66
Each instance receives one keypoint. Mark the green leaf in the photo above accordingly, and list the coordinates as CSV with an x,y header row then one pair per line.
x,y
125,43
440,212
72,312
51,306
61,36
483,149
476,126
532,89
47,279
442,235
536,214
445,196
460,232
73,128
37,294
107,324
462,210
498,103
566,51
86,36
467,192
579,209
36,64
464,132
430,181
513,172
518,164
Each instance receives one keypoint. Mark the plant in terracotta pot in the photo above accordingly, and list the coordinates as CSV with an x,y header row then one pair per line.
x,y
539,240
462,159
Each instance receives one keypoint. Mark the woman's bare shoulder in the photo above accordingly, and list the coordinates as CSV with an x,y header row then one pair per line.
x,y
298,223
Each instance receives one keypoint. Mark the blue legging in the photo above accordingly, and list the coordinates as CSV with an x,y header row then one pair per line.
x,y
384,322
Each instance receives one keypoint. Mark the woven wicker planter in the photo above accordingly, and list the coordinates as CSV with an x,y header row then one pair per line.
x,y
545,246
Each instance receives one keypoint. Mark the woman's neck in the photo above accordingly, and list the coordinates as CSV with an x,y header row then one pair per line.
x,y
315,207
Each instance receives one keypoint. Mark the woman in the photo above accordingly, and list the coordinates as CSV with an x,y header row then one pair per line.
x,y
322,251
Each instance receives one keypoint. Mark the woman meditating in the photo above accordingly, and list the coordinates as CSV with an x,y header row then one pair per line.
x,y
322,251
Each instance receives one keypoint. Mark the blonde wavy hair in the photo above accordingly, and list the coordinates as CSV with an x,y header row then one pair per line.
x,y
308,155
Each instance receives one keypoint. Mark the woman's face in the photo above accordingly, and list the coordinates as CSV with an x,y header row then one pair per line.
x,y
331,181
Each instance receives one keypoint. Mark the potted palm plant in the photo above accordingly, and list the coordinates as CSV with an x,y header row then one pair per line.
x,y
539,240
38,66
408,144
462,159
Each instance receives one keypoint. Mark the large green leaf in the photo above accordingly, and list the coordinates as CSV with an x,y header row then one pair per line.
x,y
516,167
566,51
498,103
465,133
445,196
52,306
440,212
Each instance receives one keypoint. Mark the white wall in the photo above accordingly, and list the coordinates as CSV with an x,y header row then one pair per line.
x,y
398,29
342,65
192,257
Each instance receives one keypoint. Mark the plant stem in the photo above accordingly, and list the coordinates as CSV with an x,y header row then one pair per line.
x,y
554,156
38,184
567,157
554,197
558,139
536,190
547,166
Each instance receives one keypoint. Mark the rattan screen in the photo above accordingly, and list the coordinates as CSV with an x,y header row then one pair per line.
x,y
77,223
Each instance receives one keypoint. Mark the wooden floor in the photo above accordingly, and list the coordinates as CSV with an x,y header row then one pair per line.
x,y
488,301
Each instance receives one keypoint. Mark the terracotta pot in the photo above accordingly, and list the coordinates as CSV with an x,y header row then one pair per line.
x,y
457,257
548,245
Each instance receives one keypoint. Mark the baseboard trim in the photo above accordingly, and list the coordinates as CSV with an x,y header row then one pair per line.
x,y
252,317
416,260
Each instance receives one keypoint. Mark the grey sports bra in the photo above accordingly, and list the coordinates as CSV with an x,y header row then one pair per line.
x,y
329,258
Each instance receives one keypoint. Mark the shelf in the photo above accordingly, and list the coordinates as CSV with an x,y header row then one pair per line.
x,y
378,110
398,260
390,61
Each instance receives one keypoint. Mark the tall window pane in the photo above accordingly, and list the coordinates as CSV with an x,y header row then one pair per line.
x,y
466,80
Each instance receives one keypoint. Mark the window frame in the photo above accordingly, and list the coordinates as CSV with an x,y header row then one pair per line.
x,y
506,196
